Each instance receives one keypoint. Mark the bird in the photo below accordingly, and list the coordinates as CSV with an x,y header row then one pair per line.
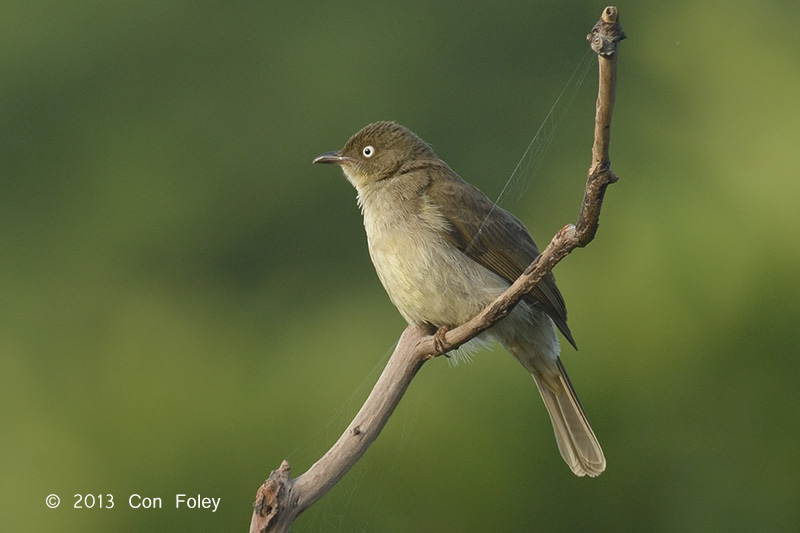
x,y
443,251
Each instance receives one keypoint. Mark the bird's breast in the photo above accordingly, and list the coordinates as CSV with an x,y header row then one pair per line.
x,y
427,278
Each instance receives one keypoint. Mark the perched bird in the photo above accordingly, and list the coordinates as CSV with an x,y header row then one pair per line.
x,y
443,251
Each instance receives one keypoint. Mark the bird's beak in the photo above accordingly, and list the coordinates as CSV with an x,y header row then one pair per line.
x,y
331,157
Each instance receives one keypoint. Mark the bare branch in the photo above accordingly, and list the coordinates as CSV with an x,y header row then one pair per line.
x,y
281,499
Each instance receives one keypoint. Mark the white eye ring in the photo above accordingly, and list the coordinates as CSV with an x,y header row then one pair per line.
x,y
368,151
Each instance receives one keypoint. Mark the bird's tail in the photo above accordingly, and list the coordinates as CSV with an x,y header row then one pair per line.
x,y
576,440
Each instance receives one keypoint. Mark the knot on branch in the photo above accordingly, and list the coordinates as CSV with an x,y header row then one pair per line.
x,y
606,33
601,174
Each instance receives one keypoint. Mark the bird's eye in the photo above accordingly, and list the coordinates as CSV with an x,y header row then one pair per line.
x,y
368,151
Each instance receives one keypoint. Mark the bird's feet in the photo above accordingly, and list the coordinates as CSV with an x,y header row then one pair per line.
x,y
440,343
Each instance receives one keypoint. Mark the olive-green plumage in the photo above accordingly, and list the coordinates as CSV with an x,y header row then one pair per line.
x,y
444,251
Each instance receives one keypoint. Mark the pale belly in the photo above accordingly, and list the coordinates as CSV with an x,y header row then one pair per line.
x,y
429,280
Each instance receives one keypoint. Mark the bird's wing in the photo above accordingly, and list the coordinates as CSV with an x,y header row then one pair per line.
x,y
494,238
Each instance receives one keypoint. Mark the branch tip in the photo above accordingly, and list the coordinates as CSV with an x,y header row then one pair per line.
x,y
606,33
271,498
610,15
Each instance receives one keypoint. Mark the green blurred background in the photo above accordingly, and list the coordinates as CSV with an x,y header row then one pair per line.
x,y
185,300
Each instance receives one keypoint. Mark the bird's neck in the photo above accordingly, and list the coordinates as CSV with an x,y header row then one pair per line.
x,y
397,206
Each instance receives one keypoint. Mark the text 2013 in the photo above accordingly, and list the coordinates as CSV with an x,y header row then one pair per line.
x,y
92,501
